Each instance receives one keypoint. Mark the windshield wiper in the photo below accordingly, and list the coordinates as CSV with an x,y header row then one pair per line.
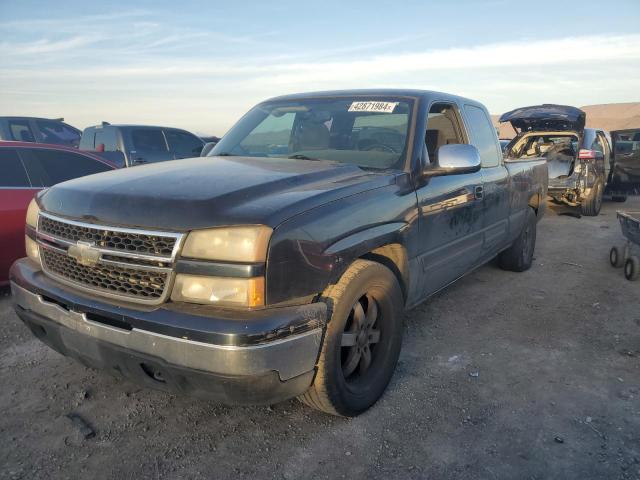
x,y
225,154
301,157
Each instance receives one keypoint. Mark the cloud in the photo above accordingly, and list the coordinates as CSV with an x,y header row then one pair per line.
x,y
39,47
152,73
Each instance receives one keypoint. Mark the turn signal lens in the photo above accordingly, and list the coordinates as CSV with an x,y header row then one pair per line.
x,y
238,292
32,213
32,249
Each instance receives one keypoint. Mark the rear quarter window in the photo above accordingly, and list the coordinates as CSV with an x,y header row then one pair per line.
x,y
12,171
483,135
48,167
106,137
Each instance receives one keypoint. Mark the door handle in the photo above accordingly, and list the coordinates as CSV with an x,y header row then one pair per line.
x,y
479,192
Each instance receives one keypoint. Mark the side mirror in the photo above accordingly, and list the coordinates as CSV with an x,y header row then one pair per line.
x,y
455,159
207,148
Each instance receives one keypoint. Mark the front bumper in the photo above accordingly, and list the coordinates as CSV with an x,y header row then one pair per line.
x,y
224,357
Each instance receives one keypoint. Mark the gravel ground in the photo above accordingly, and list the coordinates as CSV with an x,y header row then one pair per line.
x,y
502,375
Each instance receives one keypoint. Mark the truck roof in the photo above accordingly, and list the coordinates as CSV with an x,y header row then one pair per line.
x,y
391,92
131,125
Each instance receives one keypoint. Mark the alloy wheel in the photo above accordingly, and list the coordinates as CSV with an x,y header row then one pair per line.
x,y
360,337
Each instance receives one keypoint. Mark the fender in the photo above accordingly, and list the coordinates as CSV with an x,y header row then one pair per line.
x,y
364,242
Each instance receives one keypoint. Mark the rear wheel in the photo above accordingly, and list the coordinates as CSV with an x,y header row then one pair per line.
x,y
591,205
619,198
519,256
632,268
362,342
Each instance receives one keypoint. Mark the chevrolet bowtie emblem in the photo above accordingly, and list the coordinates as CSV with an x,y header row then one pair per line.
x,y
84,253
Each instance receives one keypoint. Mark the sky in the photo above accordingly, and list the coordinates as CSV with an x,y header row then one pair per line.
x,y
200,65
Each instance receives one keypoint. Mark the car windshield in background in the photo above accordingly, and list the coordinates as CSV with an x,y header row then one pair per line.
x,y
368,132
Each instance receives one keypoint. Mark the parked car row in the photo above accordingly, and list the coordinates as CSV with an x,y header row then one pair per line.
x,y
122,145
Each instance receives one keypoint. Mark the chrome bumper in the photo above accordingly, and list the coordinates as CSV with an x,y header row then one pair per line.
x,y
290,356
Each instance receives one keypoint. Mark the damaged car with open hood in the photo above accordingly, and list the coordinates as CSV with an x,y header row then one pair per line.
x,y
578,158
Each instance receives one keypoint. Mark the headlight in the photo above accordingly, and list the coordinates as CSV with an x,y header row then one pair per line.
x,y
32,213
238,292
233,244
32,249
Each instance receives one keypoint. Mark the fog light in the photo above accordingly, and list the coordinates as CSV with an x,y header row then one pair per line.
x,y
239,292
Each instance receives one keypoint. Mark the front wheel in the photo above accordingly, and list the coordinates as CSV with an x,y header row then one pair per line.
x,y
362,342
519,256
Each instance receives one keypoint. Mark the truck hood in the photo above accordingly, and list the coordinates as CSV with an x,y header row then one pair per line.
x,y
208,191
546,117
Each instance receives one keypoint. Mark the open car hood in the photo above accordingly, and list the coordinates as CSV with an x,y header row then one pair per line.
x,y
546,117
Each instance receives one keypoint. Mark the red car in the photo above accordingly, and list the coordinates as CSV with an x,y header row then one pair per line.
x,y
26,168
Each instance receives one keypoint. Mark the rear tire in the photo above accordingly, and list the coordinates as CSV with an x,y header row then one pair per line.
x,y
591,205
519,256
632,268
362,342
619,198
616,258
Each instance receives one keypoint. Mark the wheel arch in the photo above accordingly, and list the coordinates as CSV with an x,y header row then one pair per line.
x,y
384,244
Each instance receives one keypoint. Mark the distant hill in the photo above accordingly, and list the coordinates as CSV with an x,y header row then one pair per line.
x,y
608,116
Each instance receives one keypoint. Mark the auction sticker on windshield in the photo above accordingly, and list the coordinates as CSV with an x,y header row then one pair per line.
x,y
383,107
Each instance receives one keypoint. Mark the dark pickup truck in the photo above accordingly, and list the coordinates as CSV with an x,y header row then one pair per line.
x,y
280,265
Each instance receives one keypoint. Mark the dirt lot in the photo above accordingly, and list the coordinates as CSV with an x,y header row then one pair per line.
x,y
503,375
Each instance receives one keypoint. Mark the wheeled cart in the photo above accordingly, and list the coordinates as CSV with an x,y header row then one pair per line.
x,y
628,255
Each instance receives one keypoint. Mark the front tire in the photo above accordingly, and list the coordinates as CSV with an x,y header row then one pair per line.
x,y
519,256
362,342
591,205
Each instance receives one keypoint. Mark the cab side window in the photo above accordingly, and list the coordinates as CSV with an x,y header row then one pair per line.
x,y
443,128
21,131
183,143
483,136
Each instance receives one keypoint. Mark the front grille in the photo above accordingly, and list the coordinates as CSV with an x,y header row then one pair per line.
x,y
136,265
127,241
112,279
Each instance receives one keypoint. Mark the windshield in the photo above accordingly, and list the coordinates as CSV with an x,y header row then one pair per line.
x,y
364,131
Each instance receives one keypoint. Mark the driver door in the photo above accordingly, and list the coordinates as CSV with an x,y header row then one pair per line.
x,y
450,207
